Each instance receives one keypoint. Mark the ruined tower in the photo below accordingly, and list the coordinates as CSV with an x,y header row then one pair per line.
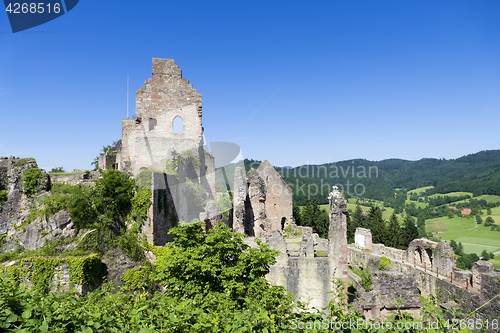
x,y
168,119
166,138
168,122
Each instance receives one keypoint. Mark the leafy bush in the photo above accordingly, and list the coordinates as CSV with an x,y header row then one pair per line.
x,y
24,161
465,261
140,204
138,278
366,278
31,179
207,266
384,262
130,244
57,170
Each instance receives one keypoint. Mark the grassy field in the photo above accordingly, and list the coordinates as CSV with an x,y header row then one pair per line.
x,y
445,224
417,204
474,239
488,198
496,261
420,189
451,194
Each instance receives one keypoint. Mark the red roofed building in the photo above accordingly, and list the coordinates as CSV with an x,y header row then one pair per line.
x,y
466,211
452,207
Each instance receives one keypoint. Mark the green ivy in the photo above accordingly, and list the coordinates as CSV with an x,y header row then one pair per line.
x,y
140,204
138,278
40,270
84,270
31,179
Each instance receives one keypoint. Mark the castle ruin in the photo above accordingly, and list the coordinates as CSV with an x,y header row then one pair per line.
x,y
165,138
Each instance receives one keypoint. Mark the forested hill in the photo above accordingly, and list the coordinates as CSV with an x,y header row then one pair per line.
x,y
478,173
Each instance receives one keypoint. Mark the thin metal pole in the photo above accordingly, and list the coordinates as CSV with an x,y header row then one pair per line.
x,y
127,96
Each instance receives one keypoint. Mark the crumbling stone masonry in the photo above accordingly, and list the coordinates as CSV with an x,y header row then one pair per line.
x,y
432,266
168,121
279,197
262,203
167,128
308,269
337,235
239,197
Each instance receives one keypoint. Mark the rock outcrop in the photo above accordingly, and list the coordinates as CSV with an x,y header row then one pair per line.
x,y
15,209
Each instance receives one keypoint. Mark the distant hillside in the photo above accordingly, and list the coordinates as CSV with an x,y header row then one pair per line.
x,y
478,173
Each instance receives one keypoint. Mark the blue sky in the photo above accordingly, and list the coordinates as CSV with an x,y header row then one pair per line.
x,y
293,82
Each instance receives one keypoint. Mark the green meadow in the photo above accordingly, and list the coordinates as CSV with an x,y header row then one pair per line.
x,y
451,194
474,239
496,261
420,190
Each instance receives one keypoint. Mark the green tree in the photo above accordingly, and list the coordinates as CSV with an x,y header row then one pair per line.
x,y
206,267
410,231
488,211
489,221
460,249
393,232
479,220
296,214
307,214
377,225
454,246
322,224
485,255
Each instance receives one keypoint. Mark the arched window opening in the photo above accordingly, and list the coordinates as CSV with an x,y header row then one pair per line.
x,y
152,124
429,254
418,255
177,125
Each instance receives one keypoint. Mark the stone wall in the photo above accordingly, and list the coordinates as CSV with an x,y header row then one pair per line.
x,y
306,277
390,290
363,238
279,197
150,138
74,178
313,279
162,215
446,283
262,202
256,222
